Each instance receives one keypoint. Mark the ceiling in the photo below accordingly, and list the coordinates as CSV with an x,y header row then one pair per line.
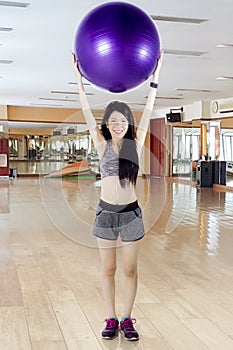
x,y
36,45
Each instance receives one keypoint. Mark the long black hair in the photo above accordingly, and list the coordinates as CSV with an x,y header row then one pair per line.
x,y
128,155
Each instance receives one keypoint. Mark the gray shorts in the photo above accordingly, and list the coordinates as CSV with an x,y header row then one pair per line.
x,y
114,220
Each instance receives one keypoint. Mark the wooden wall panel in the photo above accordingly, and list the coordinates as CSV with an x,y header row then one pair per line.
x,y
157,147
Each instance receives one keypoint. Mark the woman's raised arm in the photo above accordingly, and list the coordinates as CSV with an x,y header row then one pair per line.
x,y
96,135
145,118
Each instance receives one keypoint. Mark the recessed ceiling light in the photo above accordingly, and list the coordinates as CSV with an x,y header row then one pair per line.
x,y
179,19
224,78
14,4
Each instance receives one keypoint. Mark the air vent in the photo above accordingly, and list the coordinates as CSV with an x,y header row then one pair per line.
x,y
184,52
14,4
228,111
226,107
179,19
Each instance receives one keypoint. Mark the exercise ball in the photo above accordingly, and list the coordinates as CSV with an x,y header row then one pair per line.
x,y
117,46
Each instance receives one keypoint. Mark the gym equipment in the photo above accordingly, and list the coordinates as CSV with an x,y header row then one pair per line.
x,y
117,46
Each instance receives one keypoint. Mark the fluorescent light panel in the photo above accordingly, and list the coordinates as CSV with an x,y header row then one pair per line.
x,y
6,61
224,45
6,29
64,92
136,104
57,99
224,78
74,83
45,104
184,52
69,92
179,19
193,90
14,4
168,98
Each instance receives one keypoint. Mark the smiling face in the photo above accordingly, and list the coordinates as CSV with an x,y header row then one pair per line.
x,y
117,125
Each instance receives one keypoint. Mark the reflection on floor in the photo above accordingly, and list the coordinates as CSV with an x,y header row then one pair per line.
x,y
25,167
51,294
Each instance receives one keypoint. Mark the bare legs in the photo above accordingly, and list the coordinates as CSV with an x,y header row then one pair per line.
x,y
108,255
130,256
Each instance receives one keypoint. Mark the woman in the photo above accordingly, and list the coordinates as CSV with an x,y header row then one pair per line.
x,y
118,212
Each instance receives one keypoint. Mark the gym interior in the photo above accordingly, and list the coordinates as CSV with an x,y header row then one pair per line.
x,y
50,291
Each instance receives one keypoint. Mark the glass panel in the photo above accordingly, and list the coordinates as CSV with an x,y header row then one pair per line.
x,y
186,149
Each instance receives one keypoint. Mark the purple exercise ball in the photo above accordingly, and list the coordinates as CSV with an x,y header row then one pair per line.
x,y
117,46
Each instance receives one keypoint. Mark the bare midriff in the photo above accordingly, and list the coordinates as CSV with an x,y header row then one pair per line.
x,y
113,193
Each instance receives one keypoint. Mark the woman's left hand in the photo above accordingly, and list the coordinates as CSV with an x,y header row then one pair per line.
x,y
158,67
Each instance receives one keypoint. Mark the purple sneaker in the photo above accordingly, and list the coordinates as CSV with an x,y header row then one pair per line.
x,y
127,328
111,329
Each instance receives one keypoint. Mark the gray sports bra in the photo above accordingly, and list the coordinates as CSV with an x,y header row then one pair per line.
x,y
109,163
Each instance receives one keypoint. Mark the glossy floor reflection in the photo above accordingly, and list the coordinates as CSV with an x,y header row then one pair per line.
x,y
25,167
50,291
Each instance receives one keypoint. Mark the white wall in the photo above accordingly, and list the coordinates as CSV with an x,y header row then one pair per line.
x,y
190,112
3,112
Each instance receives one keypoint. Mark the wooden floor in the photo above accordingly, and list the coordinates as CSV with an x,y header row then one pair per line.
x,y
50,289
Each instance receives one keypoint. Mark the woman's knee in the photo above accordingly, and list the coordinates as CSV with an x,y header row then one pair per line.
x,y
130,271
109,271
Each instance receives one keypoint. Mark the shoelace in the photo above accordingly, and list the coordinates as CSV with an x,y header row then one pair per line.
x,y
110,323
128,324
